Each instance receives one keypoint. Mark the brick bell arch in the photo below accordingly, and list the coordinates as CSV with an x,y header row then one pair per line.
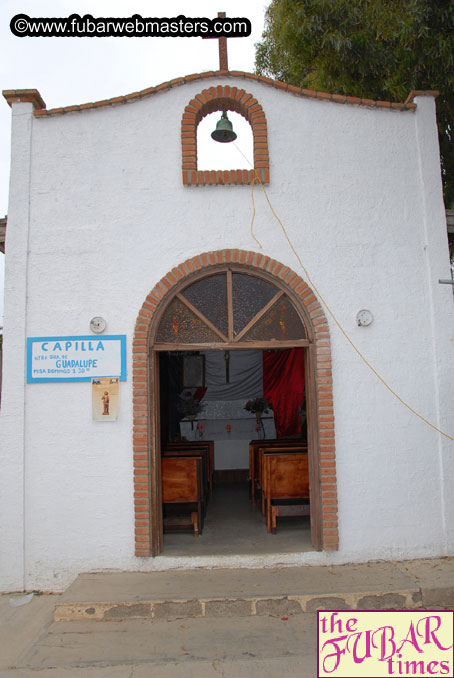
x,y
319,378
220,98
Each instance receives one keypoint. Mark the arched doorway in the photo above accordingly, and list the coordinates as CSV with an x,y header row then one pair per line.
x,y
231,300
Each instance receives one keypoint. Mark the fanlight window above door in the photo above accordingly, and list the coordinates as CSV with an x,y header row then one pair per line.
x,y
230,307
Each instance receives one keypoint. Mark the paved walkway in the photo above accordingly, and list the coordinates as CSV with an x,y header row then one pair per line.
x,y
243,592
204,623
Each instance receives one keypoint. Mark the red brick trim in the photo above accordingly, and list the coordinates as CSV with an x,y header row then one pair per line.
x,y
421,93
32,96
223,98
176,82
318,329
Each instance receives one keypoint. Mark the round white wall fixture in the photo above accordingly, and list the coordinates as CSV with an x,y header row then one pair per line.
x,y
364,318
97,324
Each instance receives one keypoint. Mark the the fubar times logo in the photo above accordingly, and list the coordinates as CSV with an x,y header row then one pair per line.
x,y
372,644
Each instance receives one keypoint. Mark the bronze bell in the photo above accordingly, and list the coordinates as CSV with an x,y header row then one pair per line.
x,y
224,130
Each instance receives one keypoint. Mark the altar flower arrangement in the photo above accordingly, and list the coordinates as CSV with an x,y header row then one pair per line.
x,y
189,407
258,406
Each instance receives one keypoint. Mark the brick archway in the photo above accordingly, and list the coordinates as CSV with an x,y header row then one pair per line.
x,y
229,99
319,376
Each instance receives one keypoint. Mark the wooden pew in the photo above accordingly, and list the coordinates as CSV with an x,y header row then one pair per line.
x,y
254,457
263,453
201,454
196,444
182,485
254,447
286,487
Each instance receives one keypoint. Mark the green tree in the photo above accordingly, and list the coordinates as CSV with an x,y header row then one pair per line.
x,y
377,49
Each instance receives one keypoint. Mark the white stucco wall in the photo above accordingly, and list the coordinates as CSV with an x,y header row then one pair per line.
x,y
98,205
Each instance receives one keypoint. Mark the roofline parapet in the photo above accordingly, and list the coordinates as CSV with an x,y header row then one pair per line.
x,y
13,96
32,96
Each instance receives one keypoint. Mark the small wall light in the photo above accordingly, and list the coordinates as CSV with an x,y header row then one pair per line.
x,y
364,318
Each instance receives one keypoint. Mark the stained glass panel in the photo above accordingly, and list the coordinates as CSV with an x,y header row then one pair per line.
x,y
209,296
280,322
180,325
250,295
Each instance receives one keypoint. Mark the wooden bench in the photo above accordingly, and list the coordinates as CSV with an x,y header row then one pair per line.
x,y
254,470
286,486
199,445
182,488
201,454
263,453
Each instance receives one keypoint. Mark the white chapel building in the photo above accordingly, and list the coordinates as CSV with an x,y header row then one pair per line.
x,y
125,260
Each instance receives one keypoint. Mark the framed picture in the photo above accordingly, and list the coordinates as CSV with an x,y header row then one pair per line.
x,y
105,396
193,371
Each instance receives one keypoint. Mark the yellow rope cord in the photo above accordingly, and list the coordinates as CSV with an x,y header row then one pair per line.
x,y
253,212
331,313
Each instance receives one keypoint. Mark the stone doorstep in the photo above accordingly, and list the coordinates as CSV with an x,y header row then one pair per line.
x,y
237,607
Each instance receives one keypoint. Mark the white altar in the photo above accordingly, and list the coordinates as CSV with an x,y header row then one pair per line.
x,y
231,427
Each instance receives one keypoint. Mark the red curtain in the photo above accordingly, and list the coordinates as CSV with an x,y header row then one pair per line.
x,y
283,387
199,393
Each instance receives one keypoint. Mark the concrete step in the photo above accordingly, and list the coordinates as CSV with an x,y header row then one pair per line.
x,y
173,594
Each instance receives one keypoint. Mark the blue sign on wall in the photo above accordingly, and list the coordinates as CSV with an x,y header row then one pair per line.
x,y
76,358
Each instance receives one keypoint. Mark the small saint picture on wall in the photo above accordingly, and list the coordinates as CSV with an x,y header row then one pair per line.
x,y
105,396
